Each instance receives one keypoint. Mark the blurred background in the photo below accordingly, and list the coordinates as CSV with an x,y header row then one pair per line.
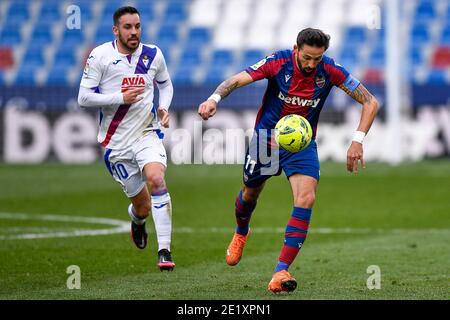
x,y
64,209
44,45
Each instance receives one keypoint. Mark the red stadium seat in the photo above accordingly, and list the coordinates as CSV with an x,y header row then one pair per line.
x,y
441,58
6,58
373,76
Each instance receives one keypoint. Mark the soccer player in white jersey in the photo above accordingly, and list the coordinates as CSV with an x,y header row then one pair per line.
x,y
119,78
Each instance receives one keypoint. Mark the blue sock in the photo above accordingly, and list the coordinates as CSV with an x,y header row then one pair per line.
x,y
243,211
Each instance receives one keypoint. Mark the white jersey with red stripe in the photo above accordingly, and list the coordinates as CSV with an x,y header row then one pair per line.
x,y
110,72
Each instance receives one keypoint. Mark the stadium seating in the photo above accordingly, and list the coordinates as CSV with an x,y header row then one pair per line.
x,y
231,36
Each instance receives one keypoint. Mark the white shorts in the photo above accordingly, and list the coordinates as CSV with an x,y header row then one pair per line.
x,y
126,165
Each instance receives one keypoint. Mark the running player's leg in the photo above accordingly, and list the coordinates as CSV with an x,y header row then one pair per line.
x,y
255,175
161,203
127,173
138,211
302,169
151,156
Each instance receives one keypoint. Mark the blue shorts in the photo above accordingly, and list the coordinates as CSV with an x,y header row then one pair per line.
x,y
257,170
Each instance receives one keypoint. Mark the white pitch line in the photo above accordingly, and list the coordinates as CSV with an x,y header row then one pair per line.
x,y
121,226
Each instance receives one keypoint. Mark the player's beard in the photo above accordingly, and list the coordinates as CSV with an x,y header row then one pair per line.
x,y
304,70
125,43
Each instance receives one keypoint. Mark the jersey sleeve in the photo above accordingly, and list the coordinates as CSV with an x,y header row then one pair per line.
x,y
92,73
339,75
162,74
266,68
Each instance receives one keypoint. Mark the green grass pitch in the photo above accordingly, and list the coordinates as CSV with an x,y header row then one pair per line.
x,y
397,218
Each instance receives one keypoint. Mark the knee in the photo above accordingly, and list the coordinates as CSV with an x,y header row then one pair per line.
x,y
155,180
305,199
250,194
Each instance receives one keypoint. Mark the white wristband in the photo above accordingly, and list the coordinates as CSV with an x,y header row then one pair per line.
x,y
358,136
216,97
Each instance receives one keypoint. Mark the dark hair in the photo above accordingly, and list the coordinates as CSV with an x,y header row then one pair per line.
x,y
122,11
313,37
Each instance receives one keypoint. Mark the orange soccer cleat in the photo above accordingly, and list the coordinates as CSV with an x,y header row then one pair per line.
x,y
234,251
282,281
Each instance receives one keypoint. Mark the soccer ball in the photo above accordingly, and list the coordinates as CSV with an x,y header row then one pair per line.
x,y
293,133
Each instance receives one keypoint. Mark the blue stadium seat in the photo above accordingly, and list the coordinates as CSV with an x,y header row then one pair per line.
x,y
10,37
50,11
72,38
85,9
33,58
104,32
57,75
437,76
355,35
18,11
222,57
41,36
184,75
64,56
166,38
377,57
197,38
425,11
11,22
167,34
191,57
2,78
416,55
146,10
250,57
215,74
348,59
109,9
25,76
175,12
420,34
445,35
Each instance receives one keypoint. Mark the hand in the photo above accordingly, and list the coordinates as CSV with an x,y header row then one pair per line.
x,y
355,154
207,109
130,96
163,116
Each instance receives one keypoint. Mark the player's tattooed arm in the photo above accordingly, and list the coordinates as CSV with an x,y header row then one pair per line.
x,y
226,87
369,111
360,94
208,108
236,81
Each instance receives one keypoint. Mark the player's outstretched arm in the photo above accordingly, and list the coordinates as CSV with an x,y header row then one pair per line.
x,y
209,107
89,98
369,111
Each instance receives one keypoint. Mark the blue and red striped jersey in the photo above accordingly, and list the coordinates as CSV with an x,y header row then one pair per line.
x,y
290,91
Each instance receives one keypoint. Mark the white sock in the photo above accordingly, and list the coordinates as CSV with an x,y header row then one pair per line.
x,y
162,217
133,216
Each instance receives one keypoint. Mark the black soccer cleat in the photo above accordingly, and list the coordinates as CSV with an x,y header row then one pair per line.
x,y
139,235
165,261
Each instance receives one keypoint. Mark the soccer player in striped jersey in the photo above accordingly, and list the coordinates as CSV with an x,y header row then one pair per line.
x,y
119,79
299,81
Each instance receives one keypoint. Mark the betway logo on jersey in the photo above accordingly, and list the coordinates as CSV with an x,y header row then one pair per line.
x,y
297,101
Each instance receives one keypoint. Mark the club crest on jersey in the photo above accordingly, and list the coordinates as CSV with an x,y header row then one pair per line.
x,y
320,81
145,61
133,81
